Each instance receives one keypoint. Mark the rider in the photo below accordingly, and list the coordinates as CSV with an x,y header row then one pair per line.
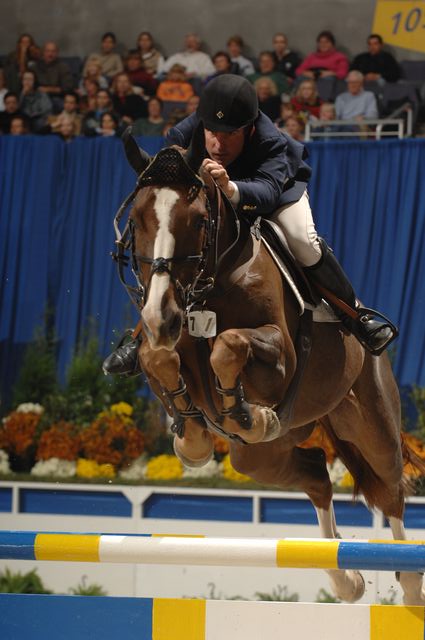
x,y
263,172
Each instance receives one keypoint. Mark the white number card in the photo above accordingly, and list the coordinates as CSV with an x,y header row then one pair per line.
x,y
202,324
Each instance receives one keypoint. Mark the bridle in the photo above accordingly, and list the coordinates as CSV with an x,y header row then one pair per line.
x,y
169,168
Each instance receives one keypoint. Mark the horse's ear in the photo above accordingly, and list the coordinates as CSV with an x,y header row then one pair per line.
x,y
196,151
137,158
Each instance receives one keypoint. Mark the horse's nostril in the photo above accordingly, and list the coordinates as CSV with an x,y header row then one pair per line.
x,y
175,325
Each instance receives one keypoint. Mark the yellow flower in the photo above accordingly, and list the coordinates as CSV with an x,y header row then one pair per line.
x,y
230,473
122,409
91,469
164,467
346,480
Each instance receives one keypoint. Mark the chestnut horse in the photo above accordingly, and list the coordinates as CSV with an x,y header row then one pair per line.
x,y
198,266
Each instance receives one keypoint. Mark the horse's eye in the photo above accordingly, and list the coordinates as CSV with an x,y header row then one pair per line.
x,y
200,222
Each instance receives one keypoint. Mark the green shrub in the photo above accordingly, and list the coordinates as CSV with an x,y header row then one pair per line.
x,y
83,589
21,582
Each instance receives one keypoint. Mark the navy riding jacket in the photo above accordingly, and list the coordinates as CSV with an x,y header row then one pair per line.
x,y
271,170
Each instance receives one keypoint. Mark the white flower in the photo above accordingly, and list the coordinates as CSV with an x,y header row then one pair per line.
x,y
337,471
4,462
136,470
209,470
30,407
54,467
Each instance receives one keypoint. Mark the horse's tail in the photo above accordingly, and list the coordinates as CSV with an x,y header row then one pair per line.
x,y
366,481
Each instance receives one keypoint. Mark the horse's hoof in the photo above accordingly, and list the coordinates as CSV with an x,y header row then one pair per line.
x,y
265,426
348,586
189,462
273,428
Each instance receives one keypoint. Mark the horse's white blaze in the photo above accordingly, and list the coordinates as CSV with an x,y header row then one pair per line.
x,y
163,248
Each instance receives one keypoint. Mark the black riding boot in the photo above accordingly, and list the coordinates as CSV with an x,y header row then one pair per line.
x,y
373,334
124,359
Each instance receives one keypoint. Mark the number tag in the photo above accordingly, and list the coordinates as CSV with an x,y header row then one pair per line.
x,y
202,324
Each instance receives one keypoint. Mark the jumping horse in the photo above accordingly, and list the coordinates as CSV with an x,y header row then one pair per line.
x,y
219,349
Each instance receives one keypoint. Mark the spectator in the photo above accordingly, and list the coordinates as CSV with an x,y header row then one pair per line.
x,y
19,126
3,89
93,72
154,123
11,109
326,61
54,77
35,104
137,74
267,68
192,104
286,60
151,58
66,129
376,64
356,103
109,125
326,115
295,128
126,102
223,64
91,121
268,98
175,88
287,110
306,100
69,113
19,60
197,63
235,45
87,102
110,61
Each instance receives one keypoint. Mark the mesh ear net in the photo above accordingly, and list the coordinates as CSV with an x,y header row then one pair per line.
x,y
169,168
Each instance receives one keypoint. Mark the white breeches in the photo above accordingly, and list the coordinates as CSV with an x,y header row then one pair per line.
x,y
296,222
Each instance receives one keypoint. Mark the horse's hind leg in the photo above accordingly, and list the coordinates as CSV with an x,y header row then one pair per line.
x,y
284,465
411,583
251,362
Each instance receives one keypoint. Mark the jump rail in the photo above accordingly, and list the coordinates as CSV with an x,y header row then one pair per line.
x,y
374,555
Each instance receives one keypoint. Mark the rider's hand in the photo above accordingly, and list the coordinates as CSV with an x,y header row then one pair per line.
x,y
220,175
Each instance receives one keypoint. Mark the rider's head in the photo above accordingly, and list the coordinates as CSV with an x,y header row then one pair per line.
x,y
228,108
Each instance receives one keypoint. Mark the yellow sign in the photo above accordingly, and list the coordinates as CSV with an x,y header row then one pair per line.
x,y
401,23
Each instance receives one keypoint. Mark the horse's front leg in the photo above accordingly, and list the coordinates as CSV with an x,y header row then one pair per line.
x,y
250,363
193,444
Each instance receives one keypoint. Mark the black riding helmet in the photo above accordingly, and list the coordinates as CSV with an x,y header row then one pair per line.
x,y
228,102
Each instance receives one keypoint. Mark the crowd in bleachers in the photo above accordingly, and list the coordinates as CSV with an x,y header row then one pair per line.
x,y
42,92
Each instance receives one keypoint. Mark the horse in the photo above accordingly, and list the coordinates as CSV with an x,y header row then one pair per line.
x,y
219,349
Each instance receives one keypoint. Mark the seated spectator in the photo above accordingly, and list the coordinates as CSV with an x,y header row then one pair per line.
x,y
235,46
356,103
3,89
295,128
109,125
69,113
153,124
91,121
19,60
87,102
375,64
151,57
267,69
54,77
93,72
110,61
192,104
286,60
126,102
11,109
66,129
35,104
197,63
326,61
175,88
19,126
326,115
268,97
223,64
287,110
306,100
139,77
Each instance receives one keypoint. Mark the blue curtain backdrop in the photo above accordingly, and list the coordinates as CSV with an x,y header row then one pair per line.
x,y
56,209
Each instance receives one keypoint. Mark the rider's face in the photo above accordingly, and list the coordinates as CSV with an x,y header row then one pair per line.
x,y
224,147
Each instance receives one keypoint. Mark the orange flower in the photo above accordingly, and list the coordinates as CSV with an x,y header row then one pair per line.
x,y
319,438
220,444
112,439
61,440
18,432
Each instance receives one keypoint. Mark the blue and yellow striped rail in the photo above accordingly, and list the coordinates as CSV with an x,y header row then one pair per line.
x,y
374,555
49,617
